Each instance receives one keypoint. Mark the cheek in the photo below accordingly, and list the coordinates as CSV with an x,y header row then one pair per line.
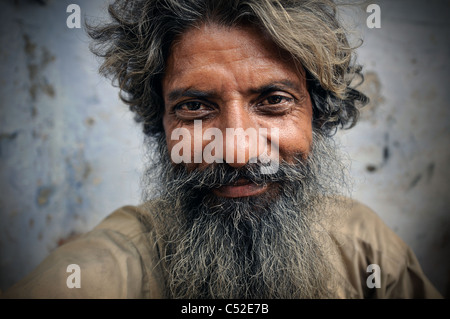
x,y
169,129
295,139
295,134
168,132
181,143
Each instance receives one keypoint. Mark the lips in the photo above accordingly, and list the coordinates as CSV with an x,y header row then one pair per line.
x,y
240,188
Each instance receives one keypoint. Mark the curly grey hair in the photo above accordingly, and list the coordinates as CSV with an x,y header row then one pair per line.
x,y
136,42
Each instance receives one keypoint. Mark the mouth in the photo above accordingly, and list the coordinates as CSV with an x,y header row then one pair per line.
x,y
240,188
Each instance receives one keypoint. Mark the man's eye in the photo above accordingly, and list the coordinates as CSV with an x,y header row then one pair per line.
x,y
190,106
275,104
192,110
275,99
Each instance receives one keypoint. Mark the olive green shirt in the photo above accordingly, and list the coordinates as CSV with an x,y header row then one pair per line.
x,y
120,258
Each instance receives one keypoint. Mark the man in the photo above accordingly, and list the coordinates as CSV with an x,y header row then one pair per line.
x,y
257,211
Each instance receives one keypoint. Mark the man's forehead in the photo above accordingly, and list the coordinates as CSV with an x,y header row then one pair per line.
x,y
243,54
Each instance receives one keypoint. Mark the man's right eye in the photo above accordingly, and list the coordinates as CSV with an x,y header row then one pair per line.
x,y
192,110
189,106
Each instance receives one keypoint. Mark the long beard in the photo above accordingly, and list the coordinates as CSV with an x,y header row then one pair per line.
x,y
273,245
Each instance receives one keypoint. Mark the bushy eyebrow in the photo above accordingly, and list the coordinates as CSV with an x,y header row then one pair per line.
x,y
176,94
275,86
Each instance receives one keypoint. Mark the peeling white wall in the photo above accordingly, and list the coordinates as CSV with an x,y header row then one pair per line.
x,y
400,148
70,152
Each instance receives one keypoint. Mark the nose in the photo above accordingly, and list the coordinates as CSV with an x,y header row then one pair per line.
x,y
240,134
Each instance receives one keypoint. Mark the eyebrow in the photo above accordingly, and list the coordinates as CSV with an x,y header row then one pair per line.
x,y
179,93
275,86
176,94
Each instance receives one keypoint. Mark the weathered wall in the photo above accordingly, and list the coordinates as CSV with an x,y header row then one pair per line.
x,y
70,152
400,149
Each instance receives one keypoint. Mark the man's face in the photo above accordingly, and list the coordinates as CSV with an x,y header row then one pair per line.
x,y
235,78
231,230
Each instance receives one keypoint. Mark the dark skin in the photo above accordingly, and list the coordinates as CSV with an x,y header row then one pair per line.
x,y
236,78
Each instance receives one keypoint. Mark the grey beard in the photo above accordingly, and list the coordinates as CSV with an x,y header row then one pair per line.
x,y
273,245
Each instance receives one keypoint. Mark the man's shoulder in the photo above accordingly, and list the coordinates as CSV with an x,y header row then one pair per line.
x,y
128,220
362,232
133,220
364,241
116,259
359,222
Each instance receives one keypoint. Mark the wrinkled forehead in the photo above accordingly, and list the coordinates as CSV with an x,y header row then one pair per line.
x,y
212,44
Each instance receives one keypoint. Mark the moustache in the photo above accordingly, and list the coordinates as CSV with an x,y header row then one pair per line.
x,y
216,175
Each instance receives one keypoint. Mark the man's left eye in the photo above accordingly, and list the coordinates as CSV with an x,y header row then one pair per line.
x,y
275,99
191,106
